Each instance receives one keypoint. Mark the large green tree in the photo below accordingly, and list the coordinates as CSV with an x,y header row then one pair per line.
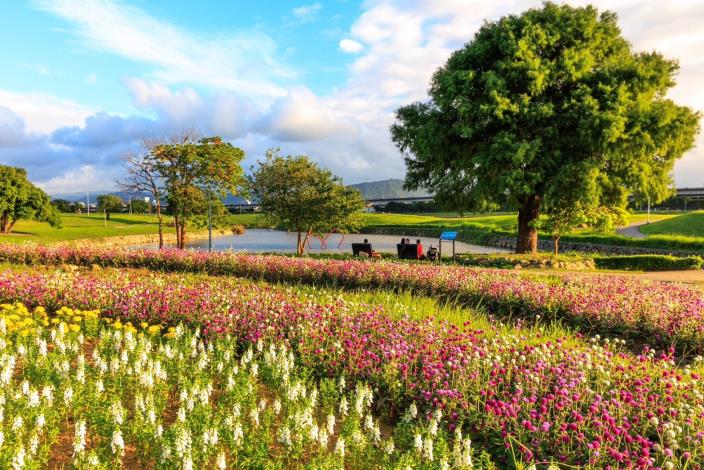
x,y
537,105
20,199
196,174
295,193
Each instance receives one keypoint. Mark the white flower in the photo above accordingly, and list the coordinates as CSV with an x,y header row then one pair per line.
x,y
285,436
79,438
18,459
428,449
221,461
68,396
117,445
418,442
331,424
40,422
17,423
340,447
343,406
413,411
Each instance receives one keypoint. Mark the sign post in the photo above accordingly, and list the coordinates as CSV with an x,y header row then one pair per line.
x,y
447,236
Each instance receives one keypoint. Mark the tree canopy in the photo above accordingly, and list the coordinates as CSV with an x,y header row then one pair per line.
x,y
195,174
539,105
20,199
295,193
108,203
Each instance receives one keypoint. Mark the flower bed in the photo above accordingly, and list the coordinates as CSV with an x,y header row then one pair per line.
x,y
545,400
665,314
86,393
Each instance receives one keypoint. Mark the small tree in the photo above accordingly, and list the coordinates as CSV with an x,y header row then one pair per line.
x,y
195,175
20,199
108,203
62,205
143,177
295,193
139,206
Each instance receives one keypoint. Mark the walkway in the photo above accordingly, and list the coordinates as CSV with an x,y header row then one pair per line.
x,y
632,231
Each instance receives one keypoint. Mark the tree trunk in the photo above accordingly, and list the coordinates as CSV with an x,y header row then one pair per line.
x,y
177,225
161,224
182,246
555,242
299,245
528,214
3,223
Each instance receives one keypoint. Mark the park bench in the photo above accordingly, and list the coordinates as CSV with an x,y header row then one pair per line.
x,y
358,248
407,250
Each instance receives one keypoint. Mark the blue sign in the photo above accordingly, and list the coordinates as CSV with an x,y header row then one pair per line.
x,y
448,236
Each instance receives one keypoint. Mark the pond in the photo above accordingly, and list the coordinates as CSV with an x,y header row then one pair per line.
x,y
259,240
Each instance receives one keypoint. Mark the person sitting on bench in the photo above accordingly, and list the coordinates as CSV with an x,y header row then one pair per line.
x,y
419,248
365,247
407,250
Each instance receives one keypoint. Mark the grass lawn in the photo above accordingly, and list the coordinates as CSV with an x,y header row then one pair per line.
x,y
689,225
75,226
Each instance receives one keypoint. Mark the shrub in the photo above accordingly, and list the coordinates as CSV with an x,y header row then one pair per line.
x,y
649,262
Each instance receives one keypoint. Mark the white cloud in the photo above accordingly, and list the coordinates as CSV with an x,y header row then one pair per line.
x,y
92,79
83,178
245,61
307,12
349,46
301,116
43,113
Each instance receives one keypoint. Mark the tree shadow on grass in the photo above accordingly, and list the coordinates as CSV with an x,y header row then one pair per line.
x,y
127,221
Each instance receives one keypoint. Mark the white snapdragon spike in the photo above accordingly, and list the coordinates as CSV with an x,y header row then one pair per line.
x,y
285,436
221,461
79,439
18,460
340,447
428,449
117,444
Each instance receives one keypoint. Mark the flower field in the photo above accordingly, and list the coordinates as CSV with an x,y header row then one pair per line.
x,y
520,395
666,314
83,392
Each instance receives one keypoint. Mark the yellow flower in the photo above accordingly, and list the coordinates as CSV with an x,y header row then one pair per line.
x,y
74,327
154,330
144,324
55,321
117,325
77,319
131,329
170,335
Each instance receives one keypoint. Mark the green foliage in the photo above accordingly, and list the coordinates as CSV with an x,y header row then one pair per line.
x,y
139,206
62,205
296,194
649,262
196,175
21,200
108,203
549,102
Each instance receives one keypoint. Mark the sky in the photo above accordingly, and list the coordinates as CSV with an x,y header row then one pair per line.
x,y
84,80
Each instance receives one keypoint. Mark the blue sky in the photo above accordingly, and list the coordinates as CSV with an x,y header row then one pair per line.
x,y
84,80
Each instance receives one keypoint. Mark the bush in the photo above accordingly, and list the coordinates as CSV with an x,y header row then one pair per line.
x,y
649,262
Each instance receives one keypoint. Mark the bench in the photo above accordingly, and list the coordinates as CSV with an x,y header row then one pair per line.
x,y
358,248
407,250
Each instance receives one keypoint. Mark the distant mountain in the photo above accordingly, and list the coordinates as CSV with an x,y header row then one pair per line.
x,y
386,189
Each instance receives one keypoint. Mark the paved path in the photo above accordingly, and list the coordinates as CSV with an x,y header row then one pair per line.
x,y
632,231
